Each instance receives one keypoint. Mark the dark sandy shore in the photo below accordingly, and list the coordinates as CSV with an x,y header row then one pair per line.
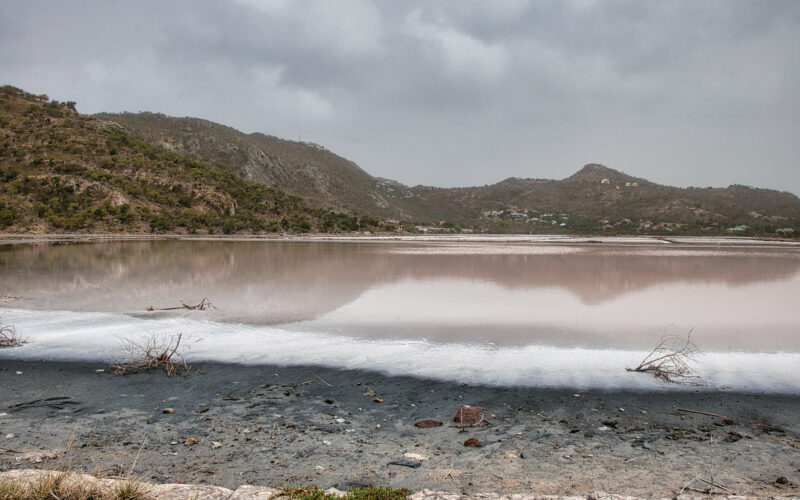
x,y
269,425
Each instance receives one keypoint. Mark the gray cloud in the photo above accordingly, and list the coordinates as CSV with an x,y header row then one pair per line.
x,y
446,92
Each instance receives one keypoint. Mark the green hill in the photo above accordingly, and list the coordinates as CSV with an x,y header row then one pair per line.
x,y
144,172
597,193
325,179
63,171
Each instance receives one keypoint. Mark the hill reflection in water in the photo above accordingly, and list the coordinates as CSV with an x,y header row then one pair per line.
x,y
504,293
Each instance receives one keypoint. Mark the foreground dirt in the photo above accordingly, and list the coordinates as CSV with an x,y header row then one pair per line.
x,y
230,425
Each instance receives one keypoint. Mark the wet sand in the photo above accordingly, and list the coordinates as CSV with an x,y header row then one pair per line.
x,y
299,425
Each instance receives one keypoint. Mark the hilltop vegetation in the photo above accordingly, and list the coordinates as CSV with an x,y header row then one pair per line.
x,y
63,171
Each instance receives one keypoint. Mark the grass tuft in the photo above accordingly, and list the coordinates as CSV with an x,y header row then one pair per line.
x,y
311,492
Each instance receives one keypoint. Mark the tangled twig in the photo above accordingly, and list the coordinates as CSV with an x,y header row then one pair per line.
x,y
9,336
155,352
670,359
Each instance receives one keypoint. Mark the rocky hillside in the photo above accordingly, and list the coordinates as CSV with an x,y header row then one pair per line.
x,y
148,172
325,179
63,171
596,197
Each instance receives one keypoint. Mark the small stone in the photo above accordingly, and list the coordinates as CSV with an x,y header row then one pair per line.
x,y
415,456
9,436
326,443
319,468
168,410
215,445
329,401
378,426
189,442
340,420
428,423
19,373
472,443
378,400
782,480
173,443
99,370
576,395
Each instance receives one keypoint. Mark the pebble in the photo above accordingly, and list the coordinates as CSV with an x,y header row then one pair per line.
x,y
215,445
9,436
168,410
415,456
319,468
378,426
339,420
326,443
19,373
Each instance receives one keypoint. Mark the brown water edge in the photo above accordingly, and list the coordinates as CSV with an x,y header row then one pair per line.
x,y
297,425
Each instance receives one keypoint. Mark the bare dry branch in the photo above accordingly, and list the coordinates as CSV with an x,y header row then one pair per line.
x,y
670,360
9,336
154,352
202,306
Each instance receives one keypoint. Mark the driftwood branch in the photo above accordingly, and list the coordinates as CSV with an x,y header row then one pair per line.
x,y
202,306
670,359
154,352
702,413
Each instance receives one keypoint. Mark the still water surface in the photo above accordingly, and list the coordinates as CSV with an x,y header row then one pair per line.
x,y
477,312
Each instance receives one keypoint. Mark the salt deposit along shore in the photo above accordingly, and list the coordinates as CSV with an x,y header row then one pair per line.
x,y
231,425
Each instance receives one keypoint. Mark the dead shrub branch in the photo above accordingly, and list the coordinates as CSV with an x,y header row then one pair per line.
x,y
155,352
9,336
670,359
202,306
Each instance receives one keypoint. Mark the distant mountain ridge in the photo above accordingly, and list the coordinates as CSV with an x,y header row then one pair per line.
x,y
596,199
323,178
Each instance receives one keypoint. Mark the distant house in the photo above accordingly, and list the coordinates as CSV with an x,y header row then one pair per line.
x,y
392,221
605,181
563,216
784,230
424,229
738,229
563,224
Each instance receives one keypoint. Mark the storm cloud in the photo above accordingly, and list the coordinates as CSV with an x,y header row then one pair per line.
x,y
446,93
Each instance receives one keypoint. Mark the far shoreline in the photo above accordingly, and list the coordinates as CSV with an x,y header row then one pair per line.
x,y
541,239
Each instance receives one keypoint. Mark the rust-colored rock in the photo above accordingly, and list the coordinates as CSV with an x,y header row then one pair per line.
x,y
472,443
428,423
468,414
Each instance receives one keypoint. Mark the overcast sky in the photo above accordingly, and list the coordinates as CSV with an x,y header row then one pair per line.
x,y
447,93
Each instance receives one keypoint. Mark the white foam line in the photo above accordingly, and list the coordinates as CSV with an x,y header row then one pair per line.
x,y
59,335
